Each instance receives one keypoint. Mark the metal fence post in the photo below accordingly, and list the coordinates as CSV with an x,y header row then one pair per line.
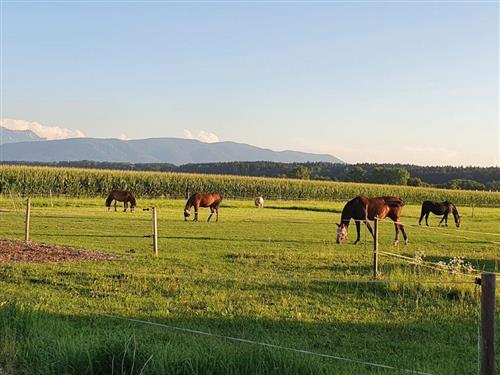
x,y
488,284
155,231
375,248
27,220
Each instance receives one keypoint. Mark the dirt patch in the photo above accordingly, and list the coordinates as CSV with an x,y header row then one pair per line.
x,y
20,251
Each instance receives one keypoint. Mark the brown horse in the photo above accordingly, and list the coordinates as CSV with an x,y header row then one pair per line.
x,y
198,200
121,196
365,209
443,208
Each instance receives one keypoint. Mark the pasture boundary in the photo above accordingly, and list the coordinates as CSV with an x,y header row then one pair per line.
x,y
376,251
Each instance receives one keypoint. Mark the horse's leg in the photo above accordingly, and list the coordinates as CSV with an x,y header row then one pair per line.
x,y
115,205
396,239
358,230
427,218
402,227
125,206
211,213
422,214
446,219
442,219
195,213
217,215
368,225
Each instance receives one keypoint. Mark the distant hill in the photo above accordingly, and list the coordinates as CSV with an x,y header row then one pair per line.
x,y
152,150
14,136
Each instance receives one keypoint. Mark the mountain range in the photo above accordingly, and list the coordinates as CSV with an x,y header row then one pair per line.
x,y
14,136
27,146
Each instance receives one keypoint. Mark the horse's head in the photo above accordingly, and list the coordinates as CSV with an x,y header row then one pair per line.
x,y
186,214
341,232
133,202
456,215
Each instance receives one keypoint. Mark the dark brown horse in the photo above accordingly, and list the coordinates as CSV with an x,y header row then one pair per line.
x,y
197,200
365,209
439,208
121,196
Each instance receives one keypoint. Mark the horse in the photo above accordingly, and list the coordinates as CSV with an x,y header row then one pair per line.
x,y
197,200
365,209
259,202
439,208
121,196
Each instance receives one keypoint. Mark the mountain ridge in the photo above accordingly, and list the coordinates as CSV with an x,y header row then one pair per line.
x,y
173,150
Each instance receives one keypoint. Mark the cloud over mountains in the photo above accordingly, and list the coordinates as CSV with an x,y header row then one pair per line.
x,y
43,131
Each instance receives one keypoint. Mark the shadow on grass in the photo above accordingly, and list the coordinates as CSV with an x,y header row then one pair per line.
x,y
41,343
300,208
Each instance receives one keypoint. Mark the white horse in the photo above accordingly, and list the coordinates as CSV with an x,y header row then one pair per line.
x,y
259,202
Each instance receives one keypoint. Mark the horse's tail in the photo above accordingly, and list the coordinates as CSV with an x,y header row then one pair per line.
x,y
109,199
394,202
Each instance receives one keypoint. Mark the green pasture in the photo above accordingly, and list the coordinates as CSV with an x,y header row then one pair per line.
x,y
272,275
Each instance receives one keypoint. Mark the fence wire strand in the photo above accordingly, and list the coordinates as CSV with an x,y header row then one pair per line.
x,y
268,345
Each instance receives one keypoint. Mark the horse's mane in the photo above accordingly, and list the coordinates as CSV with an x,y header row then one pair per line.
x,y
189,202
346,215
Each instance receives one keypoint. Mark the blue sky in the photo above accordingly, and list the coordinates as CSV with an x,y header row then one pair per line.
x,y
379,82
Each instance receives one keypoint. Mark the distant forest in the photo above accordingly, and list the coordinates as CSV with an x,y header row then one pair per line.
x,y
466,178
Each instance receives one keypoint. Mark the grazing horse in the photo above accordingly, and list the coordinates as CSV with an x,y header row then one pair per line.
x,y
259,202
365,209
439,208
121,196
198,200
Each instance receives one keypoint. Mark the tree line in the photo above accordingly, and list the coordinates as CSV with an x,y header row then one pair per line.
x,y
460,178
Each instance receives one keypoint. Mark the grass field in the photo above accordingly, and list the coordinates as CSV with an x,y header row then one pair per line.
x,y
273,275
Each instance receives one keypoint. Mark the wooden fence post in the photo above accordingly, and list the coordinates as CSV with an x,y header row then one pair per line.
x,y
155,231
187,191
27,220
375,248
488,283
472,209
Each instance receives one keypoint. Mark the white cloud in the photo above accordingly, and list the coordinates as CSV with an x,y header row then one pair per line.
x,y
123,137
202,136
48,132
187,134
207,137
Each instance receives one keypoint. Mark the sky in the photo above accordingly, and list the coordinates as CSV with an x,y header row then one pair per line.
x,y
398,82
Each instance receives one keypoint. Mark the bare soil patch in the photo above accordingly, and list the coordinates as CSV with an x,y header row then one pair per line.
x,y
20,251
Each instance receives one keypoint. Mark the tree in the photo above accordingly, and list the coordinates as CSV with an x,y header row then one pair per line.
x,y
416,181
464,184
302,172
356,174
394,176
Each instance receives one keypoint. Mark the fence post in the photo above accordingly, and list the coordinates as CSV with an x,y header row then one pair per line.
x,y
155,231
27,220
187,191
375,248
488,283
472,209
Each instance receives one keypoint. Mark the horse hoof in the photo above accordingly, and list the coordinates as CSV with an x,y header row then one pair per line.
x,y
395,243
356,242
406,242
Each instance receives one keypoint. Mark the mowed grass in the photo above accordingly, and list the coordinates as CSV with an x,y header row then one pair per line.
x,y
273,275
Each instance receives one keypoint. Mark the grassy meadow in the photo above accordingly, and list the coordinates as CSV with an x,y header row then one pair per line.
x,y
272,275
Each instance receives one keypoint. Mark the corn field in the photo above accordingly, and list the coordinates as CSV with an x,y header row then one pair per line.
x,y
74,182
